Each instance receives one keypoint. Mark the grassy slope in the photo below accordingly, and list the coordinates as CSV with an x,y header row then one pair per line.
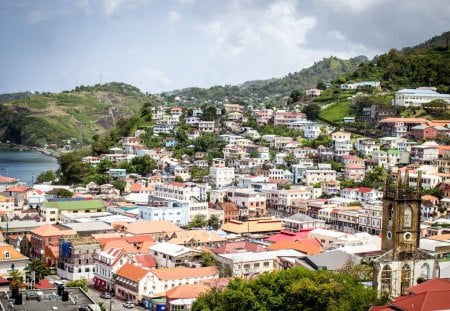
x,y
49,118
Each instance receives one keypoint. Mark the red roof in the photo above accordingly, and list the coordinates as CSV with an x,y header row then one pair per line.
x,y
18,189
176,184
289,236
239,246
3,280
145,261
364,189
427,296
43,284
431,285
4,179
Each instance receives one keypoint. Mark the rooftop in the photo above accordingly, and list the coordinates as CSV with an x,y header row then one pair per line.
x,y
49,301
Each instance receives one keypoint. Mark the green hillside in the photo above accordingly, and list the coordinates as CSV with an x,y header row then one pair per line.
x,y
275,89
427,64
50,118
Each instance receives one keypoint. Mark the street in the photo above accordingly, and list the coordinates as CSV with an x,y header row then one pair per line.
x,y
115,304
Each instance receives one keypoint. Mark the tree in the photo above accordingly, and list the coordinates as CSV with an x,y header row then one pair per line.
x,y
39,268
71,168
47,176
119,184
214,222
321,85
197,222
207,259
209,114
15,277
62,193
143,165
292,289
311,110
82,283
295,96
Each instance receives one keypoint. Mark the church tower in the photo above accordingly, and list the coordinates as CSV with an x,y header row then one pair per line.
x,y
402,262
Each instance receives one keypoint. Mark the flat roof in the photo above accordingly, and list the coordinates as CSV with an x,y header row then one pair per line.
x,y
50,301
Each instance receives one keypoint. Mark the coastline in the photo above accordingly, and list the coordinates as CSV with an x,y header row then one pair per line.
x,y
18,147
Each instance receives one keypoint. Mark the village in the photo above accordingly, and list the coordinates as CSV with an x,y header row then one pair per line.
x,y
271,202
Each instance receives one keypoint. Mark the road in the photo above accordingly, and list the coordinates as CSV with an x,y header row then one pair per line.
x,y
117,305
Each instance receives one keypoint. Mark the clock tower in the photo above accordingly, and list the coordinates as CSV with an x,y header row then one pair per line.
x,y
402,263
401,218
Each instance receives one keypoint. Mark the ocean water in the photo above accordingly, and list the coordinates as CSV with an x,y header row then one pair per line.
x,y
25,165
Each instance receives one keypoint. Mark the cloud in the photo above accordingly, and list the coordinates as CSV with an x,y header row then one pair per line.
x,y
150,79
173,17
353,6
114,7
37,16
247,27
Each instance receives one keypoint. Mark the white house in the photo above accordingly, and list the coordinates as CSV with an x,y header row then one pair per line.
x,y
418,97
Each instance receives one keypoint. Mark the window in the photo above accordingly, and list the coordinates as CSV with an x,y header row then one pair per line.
x,y
406,279
7,255
425,271
407,215
386,279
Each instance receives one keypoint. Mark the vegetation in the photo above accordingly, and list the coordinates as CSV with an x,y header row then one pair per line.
x,y
76,114
292,289
273,89
39,268
82,283
47,176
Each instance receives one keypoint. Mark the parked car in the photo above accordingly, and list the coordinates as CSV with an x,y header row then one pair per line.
x,y
105,295
128,305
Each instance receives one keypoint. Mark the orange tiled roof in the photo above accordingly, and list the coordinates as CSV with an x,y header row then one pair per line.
x,y
184,272
304,246
253,225
127,247
13,253
51,230
5,179
132,272
18,189
440,237
187,291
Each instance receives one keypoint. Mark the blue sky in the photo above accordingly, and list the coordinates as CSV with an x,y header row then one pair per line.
x,y
161,45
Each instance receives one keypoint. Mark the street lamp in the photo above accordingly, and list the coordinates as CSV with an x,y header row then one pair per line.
x,y
113,282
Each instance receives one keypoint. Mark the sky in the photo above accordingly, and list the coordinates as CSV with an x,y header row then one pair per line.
x,y
162,45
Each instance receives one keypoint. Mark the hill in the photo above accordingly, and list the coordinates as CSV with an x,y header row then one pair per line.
x,y
275,89
78,114
422,65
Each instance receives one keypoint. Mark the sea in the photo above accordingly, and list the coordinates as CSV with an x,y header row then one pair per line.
x,y
25,165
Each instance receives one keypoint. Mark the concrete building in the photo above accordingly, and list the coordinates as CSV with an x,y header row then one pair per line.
x,y
77,258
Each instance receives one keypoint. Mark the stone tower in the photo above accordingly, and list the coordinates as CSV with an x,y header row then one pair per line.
x,y
402,262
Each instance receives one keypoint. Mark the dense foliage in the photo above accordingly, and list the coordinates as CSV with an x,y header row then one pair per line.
x,y
292,289
276,88
423,65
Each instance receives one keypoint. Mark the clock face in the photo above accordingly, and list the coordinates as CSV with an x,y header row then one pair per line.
x,y
407,236
389,235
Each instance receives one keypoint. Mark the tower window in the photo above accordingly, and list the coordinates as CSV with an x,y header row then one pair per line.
x,y
407,217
